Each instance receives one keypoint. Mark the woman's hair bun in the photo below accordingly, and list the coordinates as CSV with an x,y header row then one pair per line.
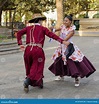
x,y
71,15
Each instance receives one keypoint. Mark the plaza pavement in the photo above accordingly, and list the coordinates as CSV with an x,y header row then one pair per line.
x,y
12,74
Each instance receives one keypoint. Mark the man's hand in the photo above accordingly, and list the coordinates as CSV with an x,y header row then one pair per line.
x,y
66,43
22,47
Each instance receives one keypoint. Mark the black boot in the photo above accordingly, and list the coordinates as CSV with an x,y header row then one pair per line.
x,y
41,85
27,82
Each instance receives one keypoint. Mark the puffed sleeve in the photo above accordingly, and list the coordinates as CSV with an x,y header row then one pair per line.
x,y
52,35
72,28
20,34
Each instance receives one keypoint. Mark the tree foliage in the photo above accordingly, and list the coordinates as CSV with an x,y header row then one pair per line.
x,y
27,7
77,6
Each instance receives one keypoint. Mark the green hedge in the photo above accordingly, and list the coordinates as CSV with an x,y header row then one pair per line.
x,y
2,36
96,15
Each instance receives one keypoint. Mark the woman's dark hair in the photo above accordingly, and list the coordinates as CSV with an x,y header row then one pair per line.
x,y
70,17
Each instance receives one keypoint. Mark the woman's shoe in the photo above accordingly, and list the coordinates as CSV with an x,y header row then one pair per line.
x,y
77,82
59,78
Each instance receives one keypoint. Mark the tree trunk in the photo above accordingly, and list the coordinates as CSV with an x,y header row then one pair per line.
x,y
59,6
1,6
6,17
10,16
0,16
13,18
86,15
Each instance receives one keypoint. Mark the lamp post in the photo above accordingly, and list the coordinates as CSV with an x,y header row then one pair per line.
x,y
12,22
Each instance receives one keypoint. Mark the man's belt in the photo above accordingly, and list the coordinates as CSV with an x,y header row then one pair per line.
x,y
34,44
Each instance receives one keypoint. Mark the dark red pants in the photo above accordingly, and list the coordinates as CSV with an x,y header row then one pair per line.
x,y
34,63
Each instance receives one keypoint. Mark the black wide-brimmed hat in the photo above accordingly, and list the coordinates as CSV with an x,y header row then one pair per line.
x,y
37,17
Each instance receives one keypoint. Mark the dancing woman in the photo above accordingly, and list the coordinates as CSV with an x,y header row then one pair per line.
x,y
69,60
